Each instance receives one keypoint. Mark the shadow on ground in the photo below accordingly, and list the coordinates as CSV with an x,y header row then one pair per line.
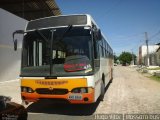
x,y
63,109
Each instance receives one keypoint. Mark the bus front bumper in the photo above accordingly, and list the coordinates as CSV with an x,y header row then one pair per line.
x,y
72,98
69,89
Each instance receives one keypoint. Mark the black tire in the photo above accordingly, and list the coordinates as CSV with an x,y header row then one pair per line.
x,y
111,80
101,97
23,115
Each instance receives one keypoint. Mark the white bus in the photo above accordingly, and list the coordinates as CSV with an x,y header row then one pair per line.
x,y
64,58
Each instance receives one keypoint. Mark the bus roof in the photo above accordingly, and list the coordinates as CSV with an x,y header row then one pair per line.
x,y
61,21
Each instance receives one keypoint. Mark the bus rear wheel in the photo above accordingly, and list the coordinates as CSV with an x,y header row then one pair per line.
x,y
101,97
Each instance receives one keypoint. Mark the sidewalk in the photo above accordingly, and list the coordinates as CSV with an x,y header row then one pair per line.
x,y
12,89
152,70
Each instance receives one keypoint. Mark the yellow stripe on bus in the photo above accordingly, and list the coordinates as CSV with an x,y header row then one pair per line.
x,y
69,83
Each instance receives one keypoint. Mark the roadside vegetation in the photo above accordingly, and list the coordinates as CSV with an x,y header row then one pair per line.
x,y
124,58
157,78
144,71
157,68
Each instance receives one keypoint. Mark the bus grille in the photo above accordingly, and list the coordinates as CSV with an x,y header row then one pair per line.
x,y
51,91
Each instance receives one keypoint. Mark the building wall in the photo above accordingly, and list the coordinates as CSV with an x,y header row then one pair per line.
x,y
143,54
152,58
140,56
158,57
9,59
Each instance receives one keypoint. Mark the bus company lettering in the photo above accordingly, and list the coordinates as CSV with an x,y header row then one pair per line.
x,y
51,82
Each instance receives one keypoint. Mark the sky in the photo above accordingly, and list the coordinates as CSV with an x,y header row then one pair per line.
x,y
123,22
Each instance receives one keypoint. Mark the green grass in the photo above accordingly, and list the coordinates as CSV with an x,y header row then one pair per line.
x,y
157,78
158,68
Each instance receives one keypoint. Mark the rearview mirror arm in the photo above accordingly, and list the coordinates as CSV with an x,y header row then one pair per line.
x,y
17,32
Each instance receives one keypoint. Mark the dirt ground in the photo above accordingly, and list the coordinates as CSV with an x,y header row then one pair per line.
x,y
131,92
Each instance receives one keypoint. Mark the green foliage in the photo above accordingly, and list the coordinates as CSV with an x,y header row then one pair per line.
x,y
157,78
125,57
158,68
115,58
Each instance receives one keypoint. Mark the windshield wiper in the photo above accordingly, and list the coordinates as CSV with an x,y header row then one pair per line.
x,y
41,34
65,33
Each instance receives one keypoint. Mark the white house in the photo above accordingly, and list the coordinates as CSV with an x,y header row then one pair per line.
x,y
143,54
158,56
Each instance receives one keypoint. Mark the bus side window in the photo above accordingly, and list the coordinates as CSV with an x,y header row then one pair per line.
x,y
96,55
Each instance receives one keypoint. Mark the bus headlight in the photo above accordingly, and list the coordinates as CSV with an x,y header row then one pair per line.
x,y
26,89
23,89
83,90
80,90
30,90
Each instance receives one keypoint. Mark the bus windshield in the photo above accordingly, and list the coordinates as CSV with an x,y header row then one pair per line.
x,y
57,52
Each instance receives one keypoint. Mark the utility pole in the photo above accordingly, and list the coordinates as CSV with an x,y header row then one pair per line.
x,y
132,57
146,37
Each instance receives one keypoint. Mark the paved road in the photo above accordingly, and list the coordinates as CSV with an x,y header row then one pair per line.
x,y
130,92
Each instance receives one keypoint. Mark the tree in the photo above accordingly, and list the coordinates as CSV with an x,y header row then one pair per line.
x,y
115,58
125,58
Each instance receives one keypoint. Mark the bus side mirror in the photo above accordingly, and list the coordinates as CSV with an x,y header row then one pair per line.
x,y
15,45
97,34
15,40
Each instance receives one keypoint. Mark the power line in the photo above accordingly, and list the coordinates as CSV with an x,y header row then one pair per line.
x,y
155,41
134,36
157,33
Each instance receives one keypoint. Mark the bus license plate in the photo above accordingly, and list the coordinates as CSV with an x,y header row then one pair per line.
x,y
75,97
